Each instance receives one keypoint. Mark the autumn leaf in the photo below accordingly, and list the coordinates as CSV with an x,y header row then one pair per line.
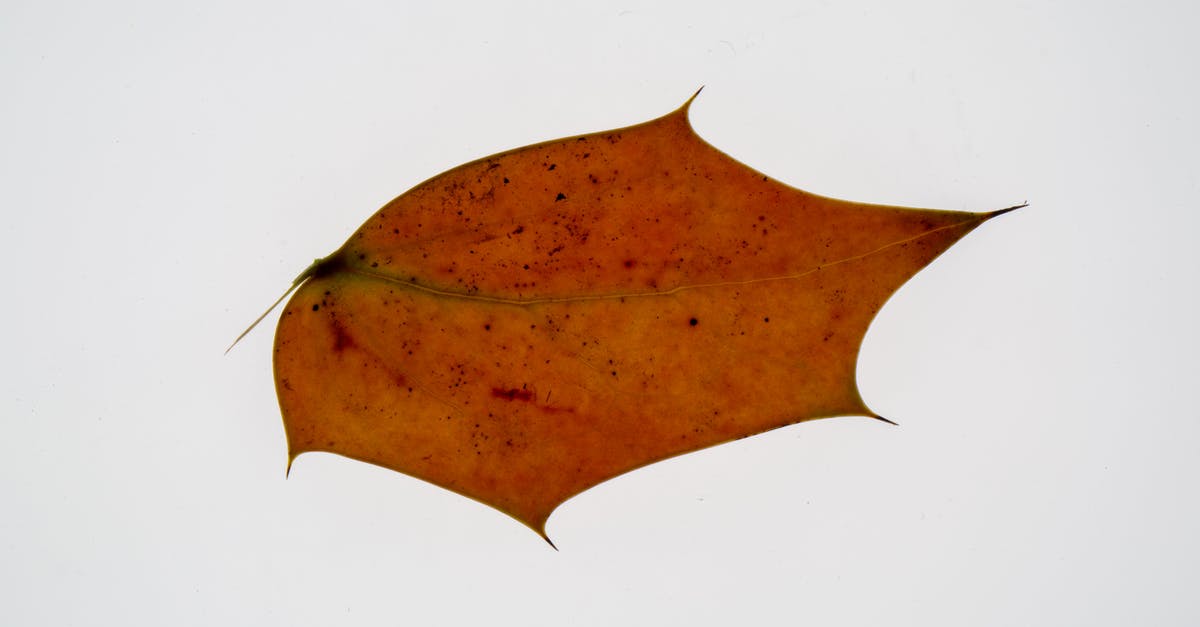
x,y
530,324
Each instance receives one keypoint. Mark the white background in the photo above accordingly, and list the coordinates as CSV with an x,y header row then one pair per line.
x,y
167,168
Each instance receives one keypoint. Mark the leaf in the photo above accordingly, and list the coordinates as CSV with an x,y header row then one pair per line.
x,y
530,324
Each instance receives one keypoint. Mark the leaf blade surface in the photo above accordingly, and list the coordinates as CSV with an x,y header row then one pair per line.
x,y
525,326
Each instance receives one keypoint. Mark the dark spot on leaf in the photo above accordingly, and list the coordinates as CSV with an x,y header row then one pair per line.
x,y
561,196
512,394
341,338
693,322
316,307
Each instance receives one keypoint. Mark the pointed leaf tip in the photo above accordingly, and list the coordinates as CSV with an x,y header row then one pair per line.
x,y
1000,212
687,105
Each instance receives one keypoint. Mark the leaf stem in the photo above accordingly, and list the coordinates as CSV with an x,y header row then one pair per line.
x,y
308,272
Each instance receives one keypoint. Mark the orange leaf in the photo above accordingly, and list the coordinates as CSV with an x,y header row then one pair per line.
x,y
525,326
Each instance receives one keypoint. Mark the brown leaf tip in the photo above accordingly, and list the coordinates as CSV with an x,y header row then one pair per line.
x,y
1000,212
687,105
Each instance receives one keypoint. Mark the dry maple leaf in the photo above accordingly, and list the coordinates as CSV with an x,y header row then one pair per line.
x,y
528,325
